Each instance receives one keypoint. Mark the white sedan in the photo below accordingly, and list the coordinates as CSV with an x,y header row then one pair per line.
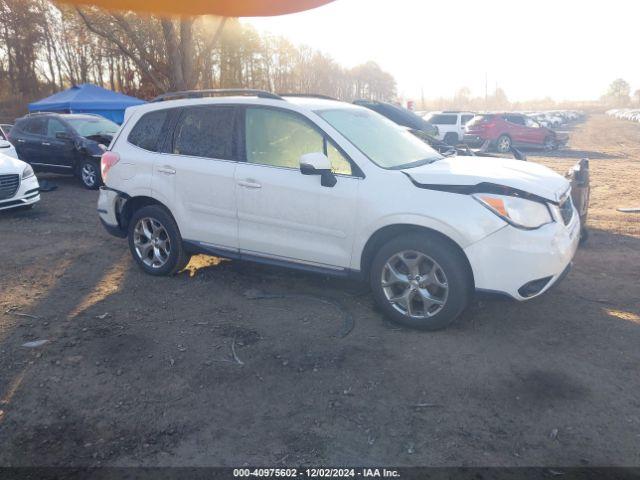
x,y
7,148
18,184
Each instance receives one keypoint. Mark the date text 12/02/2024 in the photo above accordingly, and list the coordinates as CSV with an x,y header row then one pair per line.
x,y
316,472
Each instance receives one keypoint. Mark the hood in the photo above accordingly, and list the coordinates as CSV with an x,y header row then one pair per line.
x,y
9,165
463,171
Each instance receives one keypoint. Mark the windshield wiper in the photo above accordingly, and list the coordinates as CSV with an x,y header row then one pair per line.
x,y
418,163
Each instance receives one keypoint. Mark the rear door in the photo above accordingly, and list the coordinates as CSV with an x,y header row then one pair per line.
x,y
517,130
29,140
196,172
287,216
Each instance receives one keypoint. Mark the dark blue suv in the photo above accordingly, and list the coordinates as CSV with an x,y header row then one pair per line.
x,y
64,143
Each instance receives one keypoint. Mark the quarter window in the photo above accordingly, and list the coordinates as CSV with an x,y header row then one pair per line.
x,y
206,132
146,133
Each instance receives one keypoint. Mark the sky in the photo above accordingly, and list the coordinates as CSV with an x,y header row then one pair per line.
x,y
563,49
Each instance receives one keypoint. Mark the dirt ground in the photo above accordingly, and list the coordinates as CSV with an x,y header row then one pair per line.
x,y
202,369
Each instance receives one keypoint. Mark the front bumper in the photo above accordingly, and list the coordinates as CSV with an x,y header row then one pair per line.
x,y
28,193
511,261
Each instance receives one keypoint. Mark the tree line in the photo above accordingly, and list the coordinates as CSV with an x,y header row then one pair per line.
x,y
45,47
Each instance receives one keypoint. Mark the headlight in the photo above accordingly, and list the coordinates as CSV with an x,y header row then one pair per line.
x,y
519,212
27,172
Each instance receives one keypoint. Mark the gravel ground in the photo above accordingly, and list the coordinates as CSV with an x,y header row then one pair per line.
x,y
200,369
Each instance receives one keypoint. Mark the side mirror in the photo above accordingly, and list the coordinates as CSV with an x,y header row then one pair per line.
x,y
318,164
63,136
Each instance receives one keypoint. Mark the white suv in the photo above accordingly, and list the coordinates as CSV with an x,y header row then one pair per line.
x,y
335,188
450,125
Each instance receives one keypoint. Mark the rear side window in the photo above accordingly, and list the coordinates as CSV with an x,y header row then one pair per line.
x,y
517,119
146,133
464,119
478,119
36,126
206,132
440,119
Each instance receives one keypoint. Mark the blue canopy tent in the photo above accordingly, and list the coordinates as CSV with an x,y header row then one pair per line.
x,y
87,98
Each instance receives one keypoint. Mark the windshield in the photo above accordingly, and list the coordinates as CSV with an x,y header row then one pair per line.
x,y
382,141
89,126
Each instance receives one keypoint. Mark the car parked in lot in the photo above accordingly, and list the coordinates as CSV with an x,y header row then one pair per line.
x,y
450,125
18,184
338,189
504,130
401,116
64,143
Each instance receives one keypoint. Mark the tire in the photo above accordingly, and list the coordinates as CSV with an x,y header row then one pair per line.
x,y
89,173
549,144
503,144
451,139
170,256
451,285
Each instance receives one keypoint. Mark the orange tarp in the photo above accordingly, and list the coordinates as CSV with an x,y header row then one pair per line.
x,y
224,8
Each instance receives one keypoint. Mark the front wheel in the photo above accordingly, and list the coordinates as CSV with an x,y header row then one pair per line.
x,y
90,174
421,281
155,241
503,145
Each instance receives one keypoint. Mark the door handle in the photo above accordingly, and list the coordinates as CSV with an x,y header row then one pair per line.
x,y
46,143
249,183
166,169
20,140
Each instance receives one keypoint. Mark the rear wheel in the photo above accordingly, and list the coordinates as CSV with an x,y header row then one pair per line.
x,y
451,139
155,241
420,281
90,176
503,145
549,143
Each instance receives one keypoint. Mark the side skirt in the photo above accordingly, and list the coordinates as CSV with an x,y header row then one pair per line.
x,y
195,247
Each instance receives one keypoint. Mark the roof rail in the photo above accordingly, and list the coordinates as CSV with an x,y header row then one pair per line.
x,y
216,92
308,95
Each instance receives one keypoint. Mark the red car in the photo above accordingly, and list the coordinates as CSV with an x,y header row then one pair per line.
x,y
504,130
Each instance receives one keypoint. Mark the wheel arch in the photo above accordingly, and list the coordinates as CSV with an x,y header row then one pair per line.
x,y
132,204
388,232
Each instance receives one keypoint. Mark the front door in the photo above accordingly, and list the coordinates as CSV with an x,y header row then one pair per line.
x,y
282,214
58,151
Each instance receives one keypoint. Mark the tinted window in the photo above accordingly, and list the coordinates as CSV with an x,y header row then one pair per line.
x,y
279,138
205,132
440,119
517,119
36,126
54,126
146,133
477,119
465,118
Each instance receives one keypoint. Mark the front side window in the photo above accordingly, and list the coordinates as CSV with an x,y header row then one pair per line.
x,y
516,119
54,126
146,133
278,138
382,141
206,132
465,119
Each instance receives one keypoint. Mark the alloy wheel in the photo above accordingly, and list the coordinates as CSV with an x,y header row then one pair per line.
x,y
152,242
504,144
414,284
89,174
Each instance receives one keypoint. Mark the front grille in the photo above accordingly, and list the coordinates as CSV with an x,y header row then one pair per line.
x,y
8,186
566,210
